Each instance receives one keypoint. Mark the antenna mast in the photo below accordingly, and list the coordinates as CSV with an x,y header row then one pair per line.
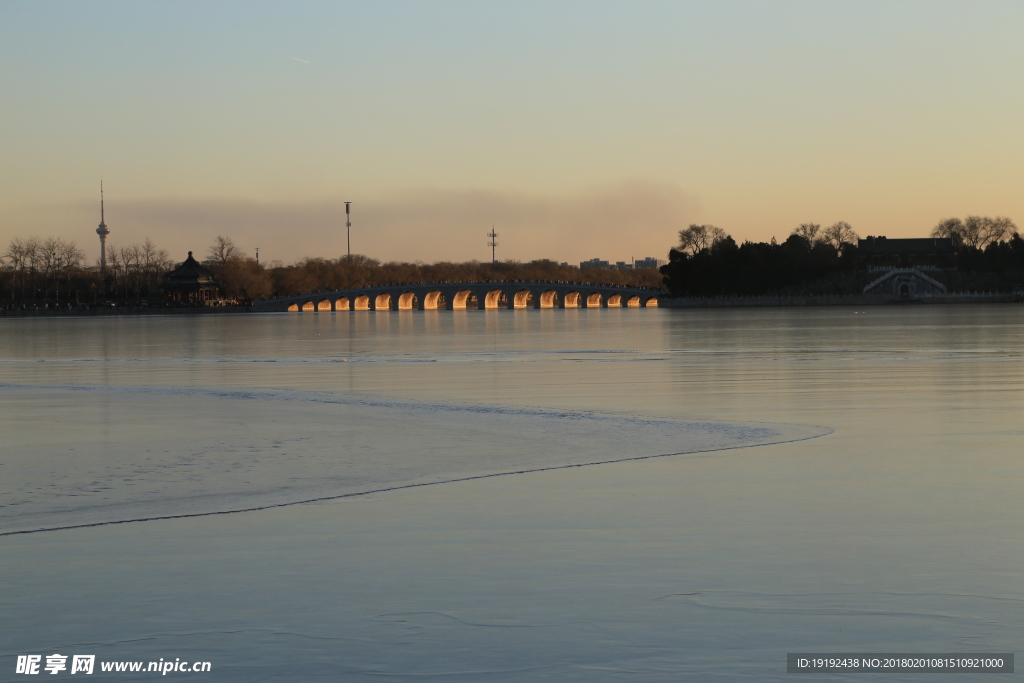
x,y
493,243
348,228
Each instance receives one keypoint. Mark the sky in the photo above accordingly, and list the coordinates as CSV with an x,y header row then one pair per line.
x,y
576,129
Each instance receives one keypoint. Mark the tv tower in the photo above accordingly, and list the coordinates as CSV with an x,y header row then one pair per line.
x,y
102,231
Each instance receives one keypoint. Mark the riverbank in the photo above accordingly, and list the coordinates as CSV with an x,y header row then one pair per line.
x,y
663,302
127,310
841,300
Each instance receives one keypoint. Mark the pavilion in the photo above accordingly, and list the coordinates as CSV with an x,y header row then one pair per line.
x,y
191,283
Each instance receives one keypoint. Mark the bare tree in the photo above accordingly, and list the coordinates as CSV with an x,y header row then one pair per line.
x,y
124,265
37,264
153,263
697,238
998,229
17,261
839,235
975,231
981,231
952,228
809,231
24,258
116,268
243,278
222,251
70,261
49,262
137,268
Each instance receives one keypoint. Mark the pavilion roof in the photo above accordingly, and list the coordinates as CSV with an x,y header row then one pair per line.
x,y
189,273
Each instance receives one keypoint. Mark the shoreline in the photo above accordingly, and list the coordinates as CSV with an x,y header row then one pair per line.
x,y
126,311
663,302
836,300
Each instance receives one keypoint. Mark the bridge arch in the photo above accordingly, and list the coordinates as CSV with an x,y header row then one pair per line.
x,y
548,299
433,301
307,306
615,301
382,302
594,300
464,298
362,303
651,302
323,305
633,302
293,308
407,301
522,299
572,299
495,298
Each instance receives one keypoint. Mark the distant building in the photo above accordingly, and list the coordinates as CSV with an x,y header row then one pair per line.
x,y
191,283
905,283
880,253
901,262
649,262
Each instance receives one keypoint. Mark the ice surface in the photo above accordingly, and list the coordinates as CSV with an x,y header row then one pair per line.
x,y
895,533
80,455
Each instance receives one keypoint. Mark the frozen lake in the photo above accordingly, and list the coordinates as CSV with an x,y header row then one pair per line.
x,y
404,494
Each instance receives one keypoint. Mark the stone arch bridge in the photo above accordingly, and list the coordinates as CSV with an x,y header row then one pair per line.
x,y
462,295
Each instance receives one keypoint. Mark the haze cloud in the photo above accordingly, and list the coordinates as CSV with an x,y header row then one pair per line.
x,y
630,219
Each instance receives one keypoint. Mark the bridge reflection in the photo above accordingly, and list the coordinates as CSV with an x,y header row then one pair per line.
x,y
467,295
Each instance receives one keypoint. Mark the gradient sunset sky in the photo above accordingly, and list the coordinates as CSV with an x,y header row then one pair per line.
x,y
577,129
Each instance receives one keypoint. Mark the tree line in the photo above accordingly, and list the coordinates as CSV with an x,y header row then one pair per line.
x,y
243,278
40,269
823,261
707,261
53,271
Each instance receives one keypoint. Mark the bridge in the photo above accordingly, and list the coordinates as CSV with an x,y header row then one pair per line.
x,y
462,295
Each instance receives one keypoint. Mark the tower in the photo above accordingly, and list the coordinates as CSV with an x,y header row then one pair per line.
x,y
348,228
102,231
493,243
